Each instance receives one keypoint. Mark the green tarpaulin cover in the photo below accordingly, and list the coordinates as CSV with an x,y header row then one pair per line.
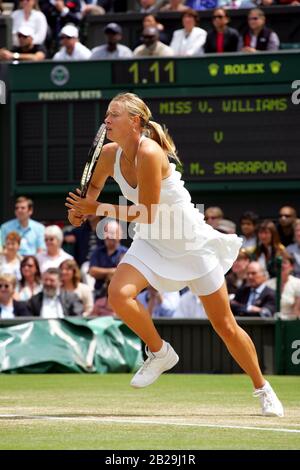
x,y
69,345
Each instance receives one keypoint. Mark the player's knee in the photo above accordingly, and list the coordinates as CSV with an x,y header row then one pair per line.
x,y
117,295
225,329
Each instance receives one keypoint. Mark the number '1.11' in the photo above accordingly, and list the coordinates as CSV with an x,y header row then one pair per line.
x,y
157,72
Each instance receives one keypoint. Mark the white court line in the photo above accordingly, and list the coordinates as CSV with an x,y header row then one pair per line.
x,y
143,421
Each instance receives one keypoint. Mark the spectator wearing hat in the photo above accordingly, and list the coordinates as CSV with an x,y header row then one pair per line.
x,y
152,46
26,50
112,49
29,15
71,48
221,38
190,40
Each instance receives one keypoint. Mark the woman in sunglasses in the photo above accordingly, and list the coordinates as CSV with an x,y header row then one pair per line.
x,y
221,38
10,308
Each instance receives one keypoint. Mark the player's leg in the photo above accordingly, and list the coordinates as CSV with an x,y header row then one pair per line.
x,y
240,347
238,342
124,287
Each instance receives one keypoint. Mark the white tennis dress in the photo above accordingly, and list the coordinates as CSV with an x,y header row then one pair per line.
x,y
179,247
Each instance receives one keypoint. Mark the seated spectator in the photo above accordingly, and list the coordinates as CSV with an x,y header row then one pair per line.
x,y
248,223
159,305
258,37
269,247
112,49
151,46
150,21
102,306
52,302
83,241
70,282
31,232
190,40
147,6
290,288
226,226
30,283
213,215
71,48
294,248
190,306
54,254
29,15
237,276
285,226
10,260
10,308
175,5
26,50
221,38
105,259
255,298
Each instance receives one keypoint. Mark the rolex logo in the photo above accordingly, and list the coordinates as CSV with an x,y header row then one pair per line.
x,y
275,66
213,69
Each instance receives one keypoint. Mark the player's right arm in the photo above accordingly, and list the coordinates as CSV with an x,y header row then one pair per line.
x,y
104,169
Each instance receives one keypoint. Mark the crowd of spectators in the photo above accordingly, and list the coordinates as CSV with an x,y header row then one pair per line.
x,y
52,272
53,29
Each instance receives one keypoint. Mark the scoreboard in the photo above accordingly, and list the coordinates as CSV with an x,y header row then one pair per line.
x,y
234,118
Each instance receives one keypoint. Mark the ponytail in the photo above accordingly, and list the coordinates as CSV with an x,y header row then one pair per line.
x,y
161,135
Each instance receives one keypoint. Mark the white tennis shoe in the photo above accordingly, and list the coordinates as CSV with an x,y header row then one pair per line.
x,y
153,367
270,405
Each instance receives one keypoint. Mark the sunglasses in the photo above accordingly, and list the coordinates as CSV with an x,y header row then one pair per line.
x,y
22,35
6,286
218,16
66,37
253,18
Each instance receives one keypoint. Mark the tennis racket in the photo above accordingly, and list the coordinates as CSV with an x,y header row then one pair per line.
x,y
93,157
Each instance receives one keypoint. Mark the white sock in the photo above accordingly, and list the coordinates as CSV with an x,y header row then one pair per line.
x,y
265,386
163,350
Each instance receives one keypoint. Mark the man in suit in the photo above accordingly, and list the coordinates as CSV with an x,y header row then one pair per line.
x,y
254,299
53,302
10,308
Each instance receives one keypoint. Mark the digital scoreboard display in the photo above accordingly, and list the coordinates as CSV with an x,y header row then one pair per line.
x,y
219,139
233,137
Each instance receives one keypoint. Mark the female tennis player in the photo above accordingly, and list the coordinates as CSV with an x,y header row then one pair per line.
x,y
173,246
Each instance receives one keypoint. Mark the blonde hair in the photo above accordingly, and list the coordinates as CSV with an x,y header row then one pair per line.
x,y
136,107
9,278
